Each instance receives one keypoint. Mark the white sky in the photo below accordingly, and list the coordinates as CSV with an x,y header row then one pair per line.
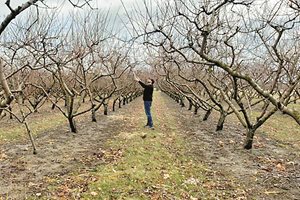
x,y
113,5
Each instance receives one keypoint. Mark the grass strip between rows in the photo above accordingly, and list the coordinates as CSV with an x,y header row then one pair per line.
x,y
153,166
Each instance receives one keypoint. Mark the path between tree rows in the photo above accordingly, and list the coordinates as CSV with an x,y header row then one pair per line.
x,y
116,158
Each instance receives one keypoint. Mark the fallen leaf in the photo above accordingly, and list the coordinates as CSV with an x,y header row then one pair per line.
x,y
3,156
155,196
191,181
166,176
221,143
280,167
272,192
38,194
94,193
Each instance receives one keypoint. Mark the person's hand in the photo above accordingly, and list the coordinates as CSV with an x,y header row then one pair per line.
x,y
135,77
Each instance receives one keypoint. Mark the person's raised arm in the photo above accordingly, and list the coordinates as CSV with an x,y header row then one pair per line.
x,y
139,80
135,77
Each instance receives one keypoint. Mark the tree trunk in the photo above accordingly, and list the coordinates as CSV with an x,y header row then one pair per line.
x,y
94,115
196,110
207,114
30,136
249,138
24,122
10,114
53,106
190,104
114,105
72,125
182,103
120,103
221,121
8,96
105,109
35,108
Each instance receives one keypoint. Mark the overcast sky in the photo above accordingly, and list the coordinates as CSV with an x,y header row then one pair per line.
x,y
113,5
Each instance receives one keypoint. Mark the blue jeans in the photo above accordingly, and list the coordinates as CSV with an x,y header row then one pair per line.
x,y
147,105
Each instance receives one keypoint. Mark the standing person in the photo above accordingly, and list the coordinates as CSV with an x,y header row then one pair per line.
x,y
147,97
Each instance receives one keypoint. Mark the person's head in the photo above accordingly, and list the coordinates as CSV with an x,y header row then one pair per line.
x,y
150,81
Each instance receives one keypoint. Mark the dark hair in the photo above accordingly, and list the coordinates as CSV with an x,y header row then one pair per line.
x,y
152,81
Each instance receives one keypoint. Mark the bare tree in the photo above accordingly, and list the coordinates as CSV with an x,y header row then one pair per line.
x,y
231,37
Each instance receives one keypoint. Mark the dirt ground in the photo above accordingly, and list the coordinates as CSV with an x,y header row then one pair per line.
x,y
271,170
60,152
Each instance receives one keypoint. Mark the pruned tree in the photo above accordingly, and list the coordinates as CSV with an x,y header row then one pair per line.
x,y
223,37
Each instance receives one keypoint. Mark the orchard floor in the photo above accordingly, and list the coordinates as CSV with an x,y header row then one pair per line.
x,y
116,158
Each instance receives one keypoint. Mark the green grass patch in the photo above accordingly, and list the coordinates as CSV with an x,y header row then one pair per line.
x,y
282,128
155,167
16,131
279,126
146,169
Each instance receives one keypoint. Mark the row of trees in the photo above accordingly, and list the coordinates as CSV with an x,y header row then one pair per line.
x,y
225,56
77,64
228,56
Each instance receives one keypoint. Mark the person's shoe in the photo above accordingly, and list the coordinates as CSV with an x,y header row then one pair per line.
x,y
152,128
147,126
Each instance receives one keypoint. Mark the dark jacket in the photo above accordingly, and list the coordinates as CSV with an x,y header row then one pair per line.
x,y
148,91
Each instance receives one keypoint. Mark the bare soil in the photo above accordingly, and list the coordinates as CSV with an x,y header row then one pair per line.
x,y
60,152
270,170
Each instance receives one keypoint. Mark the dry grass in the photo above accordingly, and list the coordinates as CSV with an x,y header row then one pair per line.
x,y
279,127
